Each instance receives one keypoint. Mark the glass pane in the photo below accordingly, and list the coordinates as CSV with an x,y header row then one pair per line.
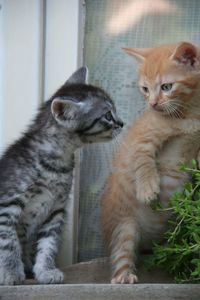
x,y
110,26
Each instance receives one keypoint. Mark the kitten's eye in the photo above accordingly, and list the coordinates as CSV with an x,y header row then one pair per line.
x,y
145,89
166,87
108,116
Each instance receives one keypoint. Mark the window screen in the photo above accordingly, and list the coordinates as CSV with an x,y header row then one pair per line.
x,y
110,26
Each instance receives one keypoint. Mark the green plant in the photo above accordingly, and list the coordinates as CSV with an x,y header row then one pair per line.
x,y
180,255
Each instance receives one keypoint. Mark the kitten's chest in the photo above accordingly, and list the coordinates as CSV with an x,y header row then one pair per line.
x,y
179,150
46,195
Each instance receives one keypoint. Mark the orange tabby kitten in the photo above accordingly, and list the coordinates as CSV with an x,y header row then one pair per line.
x,y
147,165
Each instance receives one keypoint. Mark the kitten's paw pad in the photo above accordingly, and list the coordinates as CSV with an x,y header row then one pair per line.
x,y
50,276
148,191
11,278
125,278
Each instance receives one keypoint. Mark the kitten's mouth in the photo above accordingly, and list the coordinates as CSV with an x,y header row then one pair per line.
x,y
102,137
157,108
116,132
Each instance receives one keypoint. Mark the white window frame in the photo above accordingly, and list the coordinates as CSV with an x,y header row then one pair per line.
x,y
61,59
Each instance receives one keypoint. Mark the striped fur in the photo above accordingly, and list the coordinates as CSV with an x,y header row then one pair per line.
x,y
147,165
36,177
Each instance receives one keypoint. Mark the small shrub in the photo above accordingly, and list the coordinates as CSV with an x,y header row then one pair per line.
x,y
180,255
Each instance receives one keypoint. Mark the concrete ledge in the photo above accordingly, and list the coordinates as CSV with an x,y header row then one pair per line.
x,y
101,292
90,281
98,271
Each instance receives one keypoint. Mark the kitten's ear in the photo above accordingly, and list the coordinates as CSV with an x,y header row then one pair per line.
x,y
139,53
80,76
65,111
186,54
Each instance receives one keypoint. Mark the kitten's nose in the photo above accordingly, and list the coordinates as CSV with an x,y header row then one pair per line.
x,y
153,104
120,123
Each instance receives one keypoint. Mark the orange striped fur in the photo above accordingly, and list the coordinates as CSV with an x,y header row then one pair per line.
x,y
146,167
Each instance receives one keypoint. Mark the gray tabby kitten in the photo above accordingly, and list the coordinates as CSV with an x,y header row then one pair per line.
x,y
36,177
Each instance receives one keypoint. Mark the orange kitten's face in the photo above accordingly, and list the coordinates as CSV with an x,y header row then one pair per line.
x,y
169,77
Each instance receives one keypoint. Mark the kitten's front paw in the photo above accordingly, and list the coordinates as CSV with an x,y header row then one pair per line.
x,y
12,277
125,278
148,190
50,276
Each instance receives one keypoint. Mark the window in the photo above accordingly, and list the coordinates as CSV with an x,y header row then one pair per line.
x,y
111,25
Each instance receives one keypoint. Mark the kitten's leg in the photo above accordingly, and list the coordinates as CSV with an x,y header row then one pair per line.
x,y
146,175
44,269
124,243
28,250
11,266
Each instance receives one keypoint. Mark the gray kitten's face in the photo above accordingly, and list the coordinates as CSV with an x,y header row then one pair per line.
x,y
86,110
98,120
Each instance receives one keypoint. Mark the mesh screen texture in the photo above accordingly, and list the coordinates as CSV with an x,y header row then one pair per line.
x,y
110,26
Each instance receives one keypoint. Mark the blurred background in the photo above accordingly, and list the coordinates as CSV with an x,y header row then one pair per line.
x,y
43,42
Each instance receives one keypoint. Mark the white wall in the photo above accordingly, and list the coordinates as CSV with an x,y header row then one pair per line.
x,y
1,77
61,49
20,55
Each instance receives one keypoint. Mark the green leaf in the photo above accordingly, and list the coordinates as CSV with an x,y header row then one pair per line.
x,y
180,254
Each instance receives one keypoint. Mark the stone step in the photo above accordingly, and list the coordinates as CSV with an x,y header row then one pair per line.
x,y
101,292
90,281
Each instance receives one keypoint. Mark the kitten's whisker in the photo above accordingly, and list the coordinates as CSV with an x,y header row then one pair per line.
x,y
165,102
175,112
168,110
172,108
179,112
178,104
